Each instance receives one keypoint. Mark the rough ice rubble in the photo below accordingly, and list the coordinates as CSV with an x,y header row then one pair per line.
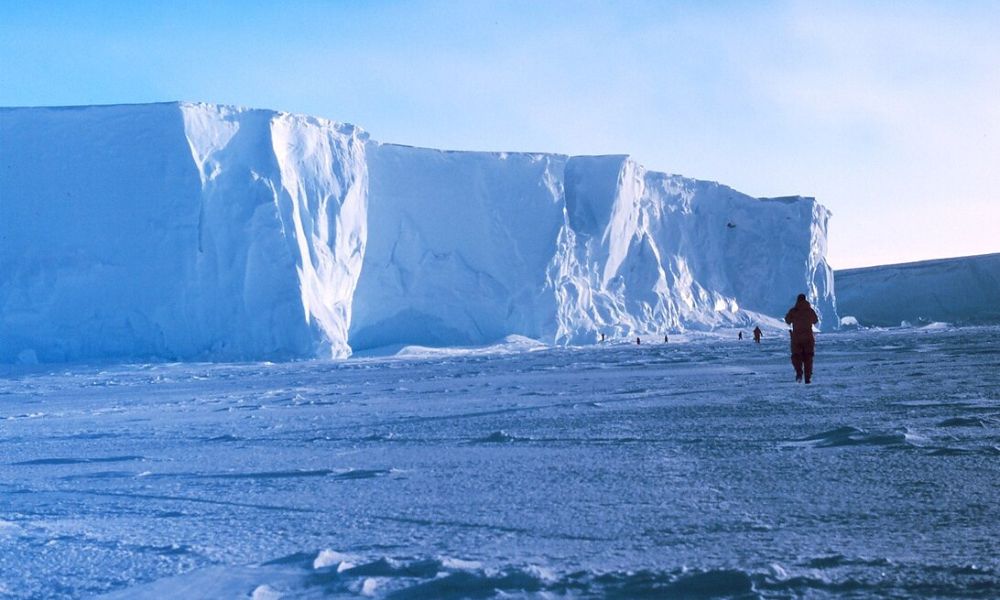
x,y
194,231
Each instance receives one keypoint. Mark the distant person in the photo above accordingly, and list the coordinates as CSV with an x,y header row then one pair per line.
x,y
802,317
637,341
740,336
602,338
665,338
756,334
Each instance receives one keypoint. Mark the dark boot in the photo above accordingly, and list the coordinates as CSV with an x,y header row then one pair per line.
x,y
797,363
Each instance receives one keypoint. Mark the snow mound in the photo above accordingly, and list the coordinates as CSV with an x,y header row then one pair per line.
x,y
192,231
441,577
849,322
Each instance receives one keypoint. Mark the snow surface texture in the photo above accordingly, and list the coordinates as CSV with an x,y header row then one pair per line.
x,y
194,231
955,290
694,469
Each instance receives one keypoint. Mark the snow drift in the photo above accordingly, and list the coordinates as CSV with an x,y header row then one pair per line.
x,y
955,290
194,231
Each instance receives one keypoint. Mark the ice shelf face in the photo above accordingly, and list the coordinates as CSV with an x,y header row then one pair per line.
x,y
963,290
193,231
179,231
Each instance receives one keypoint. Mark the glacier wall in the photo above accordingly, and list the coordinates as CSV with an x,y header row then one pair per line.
x,y
963,290
178,231
194,231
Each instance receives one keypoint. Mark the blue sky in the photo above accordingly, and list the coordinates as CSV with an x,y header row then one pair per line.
x,y
887,112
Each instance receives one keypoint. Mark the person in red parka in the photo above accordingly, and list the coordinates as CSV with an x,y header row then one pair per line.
x,y
802,317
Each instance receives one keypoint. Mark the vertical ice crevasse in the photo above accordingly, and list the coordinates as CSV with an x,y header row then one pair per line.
x,y
821,284
324,178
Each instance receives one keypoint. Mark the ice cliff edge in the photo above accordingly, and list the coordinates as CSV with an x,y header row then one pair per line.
x,y
194,231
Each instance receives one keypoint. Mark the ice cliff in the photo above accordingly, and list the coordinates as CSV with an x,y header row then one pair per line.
x,y
194,231
962,290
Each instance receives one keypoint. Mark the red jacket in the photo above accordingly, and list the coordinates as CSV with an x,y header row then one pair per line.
x,y
801,317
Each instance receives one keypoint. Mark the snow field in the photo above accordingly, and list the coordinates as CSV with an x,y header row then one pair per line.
x,y
690,468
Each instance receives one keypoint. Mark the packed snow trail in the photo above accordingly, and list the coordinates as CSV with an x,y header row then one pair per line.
x,y
691,468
